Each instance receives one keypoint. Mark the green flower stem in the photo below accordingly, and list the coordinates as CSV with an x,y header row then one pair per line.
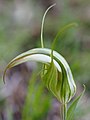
x,y
64,111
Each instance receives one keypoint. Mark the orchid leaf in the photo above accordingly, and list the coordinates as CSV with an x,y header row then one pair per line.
x,y
73,106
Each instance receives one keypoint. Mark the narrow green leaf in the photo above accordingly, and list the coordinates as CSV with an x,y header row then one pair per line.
x,y
34,98
73,106
28,100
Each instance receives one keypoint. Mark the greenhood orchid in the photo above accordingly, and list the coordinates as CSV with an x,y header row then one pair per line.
x,y
56,73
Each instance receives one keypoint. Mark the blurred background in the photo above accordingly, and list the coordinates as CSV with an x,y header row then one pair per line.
x,y
23,97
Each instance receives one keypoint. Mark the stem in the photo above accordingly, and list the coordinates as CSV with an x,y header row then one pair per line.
x,y
64,111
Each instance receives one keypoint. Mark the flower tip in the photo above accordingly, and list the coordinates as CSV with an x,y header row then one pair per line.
x,y
54,4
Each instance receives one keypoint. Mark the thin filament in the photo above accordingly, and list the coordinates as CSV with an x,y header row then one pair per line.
x,y
59,34
42,43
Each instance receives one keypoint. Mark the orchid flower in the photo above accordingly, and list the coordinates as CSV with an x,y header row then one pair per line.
x,y
56,73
